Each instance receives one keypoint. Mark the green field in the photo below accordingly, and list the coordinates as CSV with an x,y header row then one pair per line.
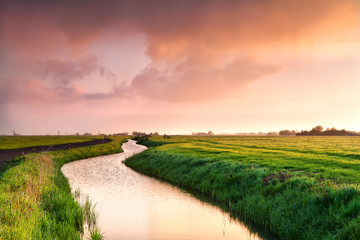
x,y
295,187
11,142
35,197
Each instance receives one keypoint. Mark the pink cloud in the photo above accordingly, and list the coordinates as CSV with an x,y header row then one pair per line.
x,y
199,83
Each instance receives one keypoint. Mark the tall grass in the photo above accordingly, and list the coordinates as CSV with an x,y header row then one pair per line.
x,y
90,217
294,189
35,197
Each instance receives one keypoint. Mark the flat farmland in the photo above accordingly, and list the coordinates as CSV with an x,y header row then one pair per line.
x,y
296,187
12,142
336,158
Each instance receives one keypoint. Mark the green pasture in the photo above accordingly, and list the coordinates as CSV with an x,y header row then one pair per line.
x,y
295,187
335,158
11,142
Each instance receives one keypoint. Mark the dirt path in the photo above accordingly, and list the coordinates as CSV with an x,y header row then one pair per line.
x,y
6,155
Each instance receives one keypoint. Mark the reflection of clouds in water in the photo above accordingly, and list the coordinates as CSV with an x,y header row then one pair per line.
x,y
134,206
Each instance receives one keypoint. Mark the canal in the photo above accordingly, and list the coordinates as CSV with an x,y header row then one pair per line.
x,y
133,206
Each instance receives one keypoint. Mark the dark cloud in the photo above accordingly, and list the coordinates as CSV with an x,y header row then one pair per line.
x,y
54,81
214,23
116,92
189,43
66,71
32,91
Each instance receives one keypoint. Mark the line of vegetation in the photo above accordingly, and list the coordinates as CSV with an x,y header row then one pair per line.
x,y
296,188
35,197
319,131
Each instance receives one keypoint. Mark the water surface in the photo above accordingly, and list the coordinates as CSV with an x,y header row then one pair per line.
x,y
134,206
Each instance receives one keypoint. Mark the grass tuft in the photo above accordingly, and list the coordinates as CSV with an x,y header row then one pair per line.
x,y
95,234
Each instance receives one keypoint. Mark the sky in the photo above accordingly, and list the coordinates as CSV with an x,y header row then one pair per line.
x,y
178,67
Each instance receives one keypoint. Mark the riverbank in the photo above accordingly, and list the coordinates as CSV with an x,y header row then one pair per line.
x,y
133,206
35,197
296,188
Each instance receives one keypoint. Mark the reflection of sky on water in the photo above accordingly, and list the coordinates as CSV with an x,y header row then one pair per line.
x,y
134,206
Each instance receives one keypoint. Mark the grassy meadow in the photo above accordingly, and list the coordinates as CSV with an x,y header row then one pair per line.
x,y
295,187
12,142
35,197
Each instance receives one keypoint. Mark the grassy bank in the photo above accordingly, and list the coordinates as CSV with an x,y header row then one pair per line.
x,y
295,187
35,197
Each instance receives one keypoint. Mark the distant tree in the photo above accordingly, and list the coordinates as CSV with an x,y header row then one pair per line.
x,y
303,133
136,133
285,133
210,133
317,129
122,133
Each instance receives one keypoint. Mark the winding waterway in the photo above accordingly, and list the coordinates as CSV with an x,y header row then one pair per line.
x,y
134,206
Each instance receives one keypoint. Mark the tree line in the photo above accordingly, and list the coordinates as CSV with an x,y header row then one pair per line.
x,y
319,131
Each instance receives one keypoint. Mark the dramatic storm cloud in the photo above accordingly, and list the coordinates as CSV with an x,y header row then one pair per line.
x,y
115,58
